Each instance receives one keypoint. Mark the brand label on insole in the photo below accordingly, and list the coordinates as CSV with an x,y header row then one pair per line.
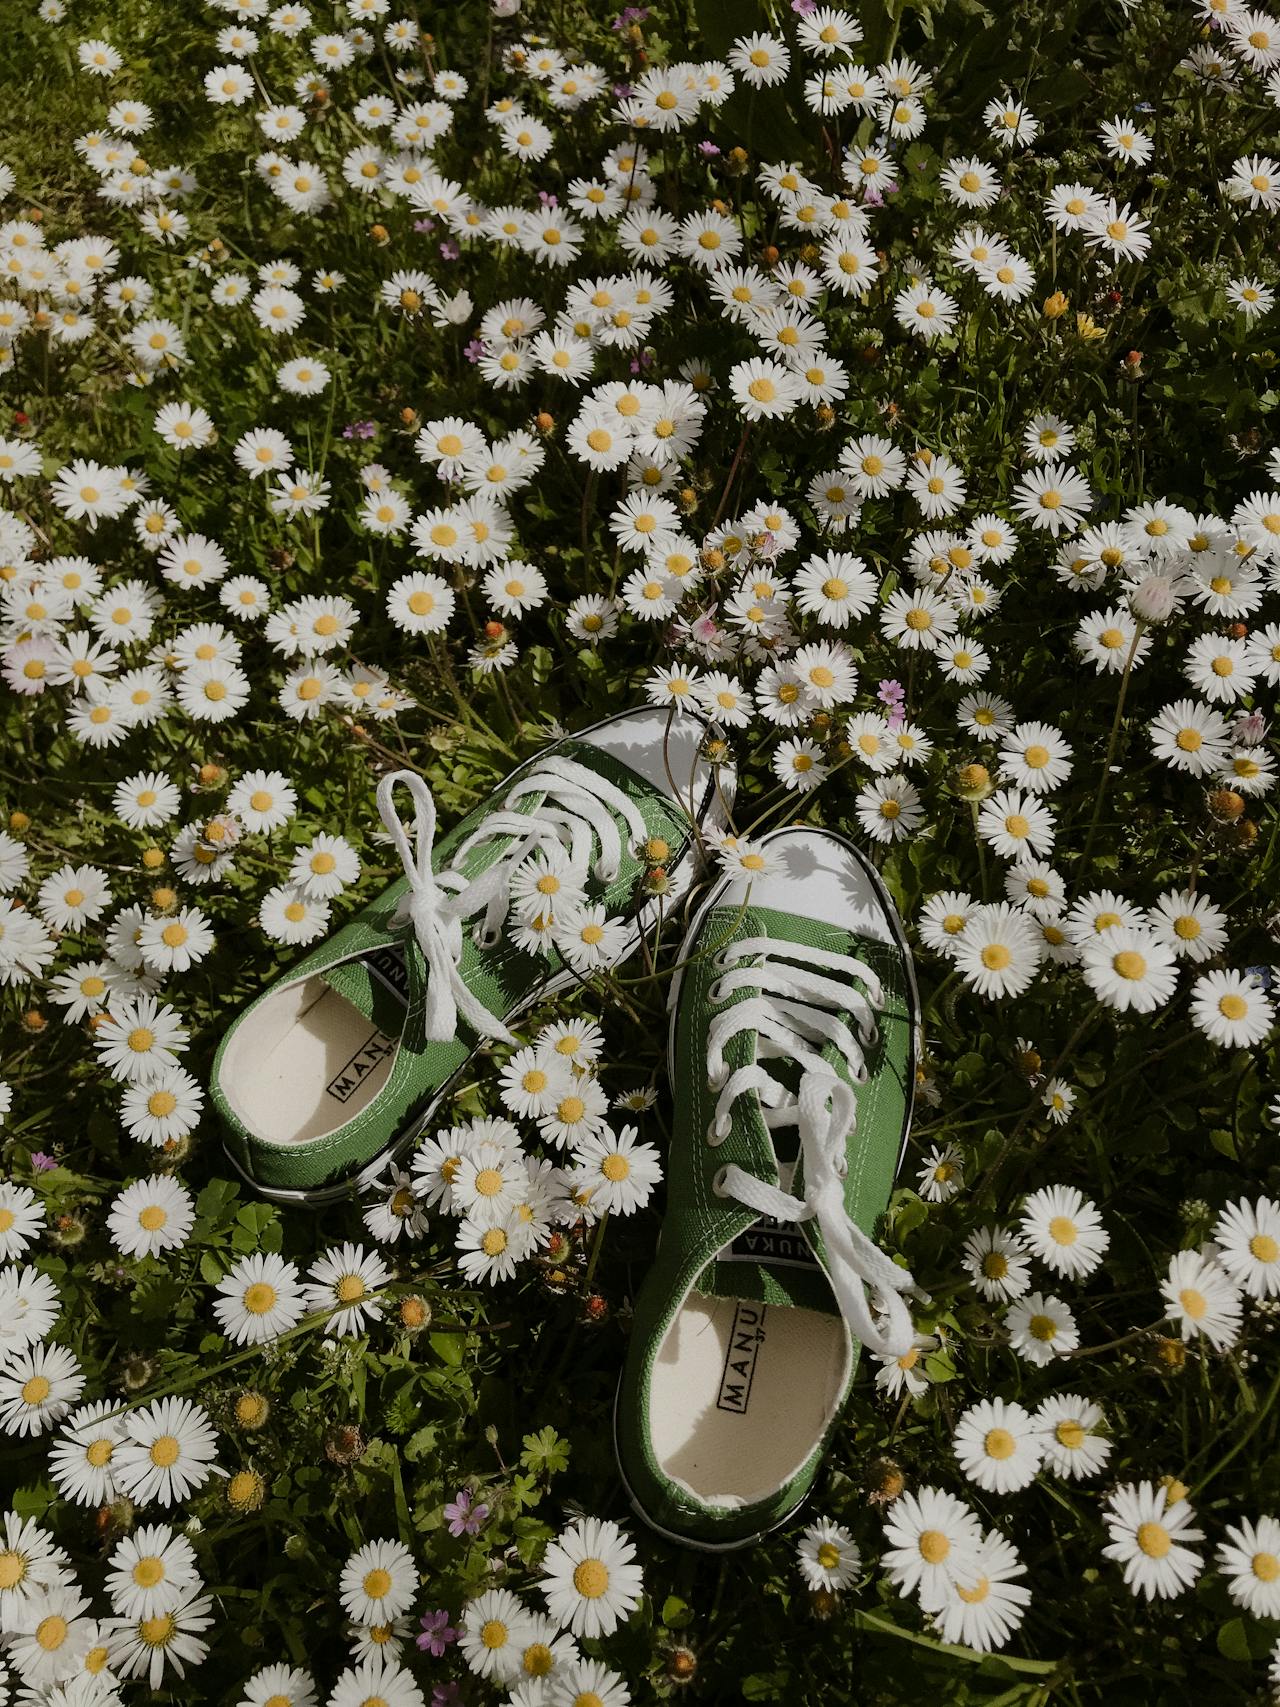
x,y
745,1339
388,967
777,1244
371,1053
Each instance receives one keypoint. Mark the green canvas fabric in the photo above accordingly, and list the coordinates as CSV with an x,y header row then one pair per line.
x,y
504,979
698,1224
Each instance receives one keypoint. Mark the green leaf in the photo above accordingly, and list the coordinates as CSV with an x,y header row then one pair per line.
x,y
545,1452
676,1613
448,1348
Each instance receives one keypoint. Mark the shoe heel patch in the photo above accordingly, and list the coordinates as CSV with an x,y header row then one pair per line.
x,y
745,1339
372,1052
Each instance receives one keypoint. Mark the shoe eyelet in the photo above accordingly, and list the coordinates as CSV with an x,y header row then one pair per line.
x,y
714,1138
714,993
717,1181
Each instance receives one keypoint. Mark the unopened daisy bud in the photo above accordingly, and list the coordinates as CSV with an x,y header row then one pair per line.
x,y
712,558
737,161
770,255
344,1444
656,881
972,782
1155,598
825,416
68,1231
545,423
163,898
682,1665
1245,832
216,245
1174,1490
557,1247
656,851
1226,805
34,1020
1171,1355
246,1491
1055,306
1132,365
380,234
408,417
594,1307
415,1314
295,1546
210,775
1030,1062
1238,630
688,499
885,1481
152,859
494,630
251,1409
137,1372
810,254
823,1603
18,822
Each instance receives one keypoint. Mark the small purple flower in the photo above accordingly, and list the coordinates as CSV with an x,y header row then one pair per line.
x,y
437,1632
446,1695
547,199
427,226
474,350
359,429
463,1516
709,149
806,8
893,697
42,1163
629,15
622,91
449,249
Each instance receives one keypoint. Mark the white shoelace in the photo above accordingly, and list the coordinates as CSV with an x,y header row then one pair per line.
x,y
579,805
797,1008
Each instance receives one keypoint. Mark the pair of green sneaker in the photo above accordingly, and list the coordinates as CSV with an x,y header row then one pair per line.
x,y
792,1066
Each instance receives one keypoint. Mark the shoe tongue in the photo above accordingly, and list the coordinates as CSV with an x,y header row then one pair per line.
x,y
376,984
772,1263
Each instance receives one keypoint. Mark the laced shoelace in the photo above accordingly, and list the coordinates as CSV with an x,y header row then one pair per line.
x,y
795,1012
580,808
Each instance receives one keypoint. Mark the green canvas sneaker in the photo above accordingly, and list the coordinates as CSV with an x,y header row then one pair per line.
x,y
792,1064
335,1069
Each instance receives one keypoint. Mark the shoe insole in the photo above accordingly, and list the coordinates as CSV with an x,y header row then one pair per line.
x,y
315,1068
741,1394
